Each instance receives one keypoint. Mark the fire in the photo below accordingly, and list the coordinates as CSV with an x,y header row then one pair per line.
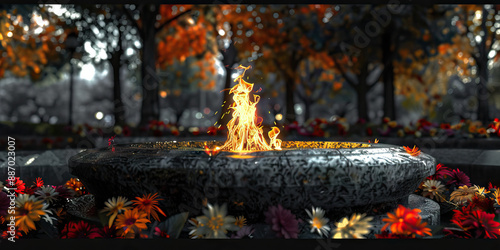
x,y
245,129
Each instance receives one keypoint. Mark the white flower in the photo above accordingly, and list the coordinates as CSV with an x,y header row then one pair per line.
x,y
47,193
318,221
215,223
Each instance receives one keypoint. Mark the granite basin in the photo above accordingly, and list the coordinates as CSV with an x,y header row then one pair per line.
x,y
340,177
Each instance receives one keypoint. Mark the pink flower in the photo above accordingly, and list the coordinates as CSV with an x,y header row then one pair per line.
x,y
283,222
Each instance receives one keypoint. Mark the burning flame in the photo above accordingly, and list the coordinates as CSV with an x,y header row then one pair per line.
x,y
245,129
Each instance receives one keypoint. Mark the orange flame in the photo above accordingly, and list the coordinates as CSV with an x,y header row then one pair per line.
x,y
244,129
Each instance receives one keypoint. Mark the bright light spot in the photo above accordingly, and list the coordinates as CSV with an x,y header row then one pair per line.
x,y
9,34
99,115
198,115
129,52
222,32
206,110
30,161
492,54
87,72
298,109
163,94
278,117
478,39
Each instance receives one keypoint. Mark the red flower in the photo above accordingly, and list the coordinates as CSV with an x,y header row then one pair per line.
x,y
38,182
65,192
283,222
175,132
482,203
79,230
6,234
108,232
386,235
482,225
18,184
406,221
159,232
441,172
459,178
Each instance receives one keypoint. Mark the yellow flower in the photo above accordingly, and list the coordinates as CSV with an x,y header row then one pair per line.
x,y
115,206
433,188
354,228
481,190
28,210
463,194
240,221
497,196
132,221
318,221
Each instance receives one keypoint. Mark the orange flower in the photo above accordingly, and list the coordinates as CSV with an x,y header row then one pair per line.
x,y
27,212
149,205
412,151
76,185
406,221
132,221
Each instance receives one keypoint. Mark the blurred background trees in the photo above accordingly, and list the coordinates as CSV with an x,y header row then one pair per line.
x,y
137,63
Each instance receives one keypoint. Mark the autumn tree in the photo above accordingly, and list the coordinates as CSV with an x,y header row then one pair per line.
x,y
478,24
149,20
275,39
31,40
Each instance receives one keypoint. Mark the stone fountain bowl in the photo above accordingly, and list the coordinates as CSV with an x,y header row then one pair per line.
x,y
340,177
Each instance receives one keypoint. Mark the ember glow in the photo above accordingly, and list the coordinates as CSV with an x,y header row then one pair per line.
x,y
244,129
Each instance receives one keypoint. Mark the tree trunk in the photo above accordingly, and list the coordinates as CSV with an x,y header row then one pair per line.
x,y
150,109
388,75
119,108
361,90
483,108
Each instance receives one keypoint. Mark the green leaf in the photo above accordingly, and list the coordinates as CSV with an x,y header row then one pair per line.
x,y
174,224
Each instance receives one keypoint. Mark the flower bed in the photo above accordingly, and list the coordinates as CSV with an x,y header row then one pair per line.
x,y
41,211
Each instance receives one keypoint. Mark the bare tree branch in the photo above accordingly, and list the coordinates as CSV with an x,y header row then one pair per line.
x,y
172,19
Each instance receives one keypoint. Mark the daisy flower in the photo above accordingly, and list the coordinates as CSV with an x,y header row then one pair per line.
x,y
244,232
114,206
132,221
318,221
18,184
481,190
412,151
459,178
47,194
76,185
283,222
496,194
149,204
79,230
28,211
433,188
241,221
406,221
215,222
193,229
441,172
463,194
353,228
475,224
